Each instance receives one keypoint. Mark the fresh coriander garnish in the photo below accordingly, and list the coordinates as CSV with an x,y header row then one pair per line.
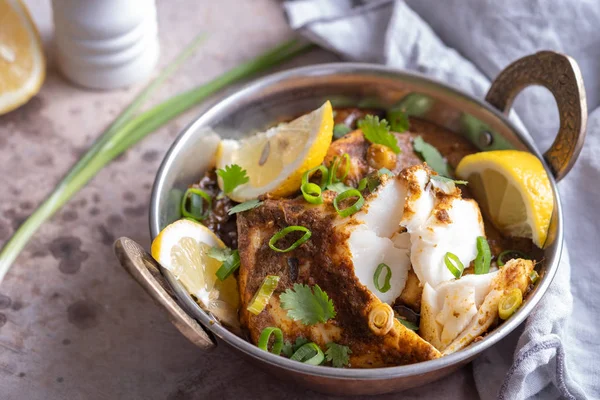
x,y
339,355
339,187
232,175
245,206
219,254
408,324
441,178
309,306
340,130
398,120
377,131
289,348
431,156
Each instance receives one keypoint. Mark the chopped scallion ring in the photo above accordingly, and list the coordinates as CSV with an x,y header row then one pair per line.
x,y
263,341
333,172
309,353
454,265
510,303
534,276
196,199
388,275
484,256
262,295
502,257
229,266
324,175
312,193
282,233
346,212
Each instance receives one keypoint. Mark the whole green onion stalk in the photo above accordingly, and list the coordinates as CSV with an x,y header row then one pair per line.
x,y
128,129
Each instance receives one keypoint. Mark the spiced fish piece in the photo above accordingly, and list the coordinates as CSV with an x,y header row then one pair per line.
x,y
456,312
362,320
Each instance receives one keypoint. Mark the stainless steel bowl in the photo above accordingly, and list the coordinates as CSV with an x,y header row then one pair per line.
x,y
293,92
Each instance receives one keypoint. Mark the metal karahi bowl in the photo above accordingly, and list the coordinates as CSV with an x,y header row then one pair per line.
x,y
270,99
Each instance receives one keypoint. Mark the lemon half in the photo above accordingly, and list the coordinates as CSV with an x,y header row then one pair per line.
x,y
182,248
276,159
22,64
513,190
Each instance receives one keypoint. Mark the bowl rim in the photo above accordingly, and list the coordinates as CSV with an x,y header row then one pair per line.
x,y
222,103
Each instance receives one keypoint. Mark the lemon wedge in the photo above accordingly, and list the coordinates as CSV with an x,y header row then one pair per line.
x,y
276,159
182,248
513,190
22,64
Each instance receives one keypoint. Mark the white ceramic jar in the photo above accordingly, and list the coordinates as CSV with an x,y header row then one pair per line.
x,y
106,44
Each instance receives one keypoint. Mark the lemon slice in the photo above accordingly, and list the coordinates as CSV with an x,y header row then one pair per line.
x,y
513,189
22,65
182,248
276,159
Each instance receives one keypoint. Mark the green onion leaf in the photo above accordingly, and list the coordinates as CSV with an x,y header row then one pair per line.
x,y
324,175
340,130
333,170
454,265
312,193
309,353
346,212
339,187
263,294
245,206
338,354
388,275
233,176
196,208
507,255
484,256
284,232
127,130
431,156
398,120
265,335
289,348
229,266
408,324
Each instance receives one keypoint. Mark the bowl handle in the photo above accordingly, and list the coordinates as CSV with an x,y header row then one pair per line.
x,y
559,74
144,269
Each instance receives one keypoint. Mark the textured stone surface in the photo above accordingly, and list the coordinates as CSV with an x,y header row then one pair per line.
x,y
73,325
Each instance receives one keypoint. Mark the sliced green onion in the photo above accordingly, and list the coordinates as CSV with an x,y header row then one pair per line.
x,y
503,256
340,130
534,276
229,266
333,171
324,175
263,295
484,256
282,233
309,353
196,199
388,275
312,193
345,212
454,265
263,341
339,187
509,303
408,324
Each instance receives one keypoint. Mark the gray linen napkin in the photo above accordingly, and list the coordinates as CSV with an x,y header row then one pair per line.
x,y
556,354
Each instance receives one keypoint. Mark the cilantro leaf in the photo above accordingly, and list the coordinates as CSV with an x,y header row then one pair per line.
x,y
289,349
245,206
338,354
398,120
338,187
309,306
232,175
441,178
378,132
431,156
408,324
340,130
